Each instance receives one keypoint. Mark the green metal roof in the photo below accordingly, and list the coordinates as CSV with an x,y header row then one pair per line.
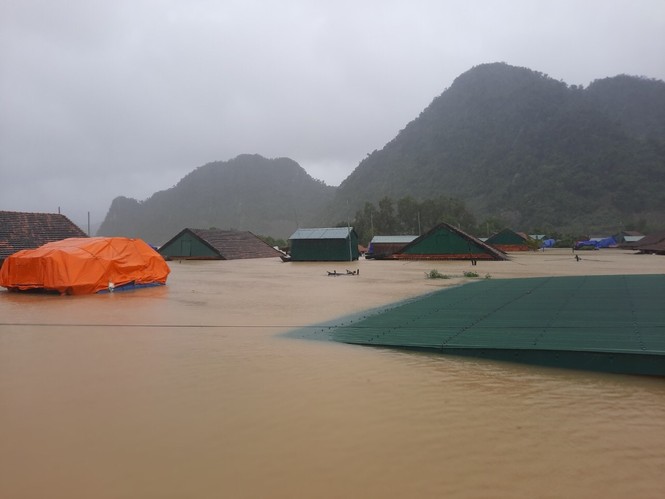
x,y
392,239
444,241
506,236
322,233
610,323
333,244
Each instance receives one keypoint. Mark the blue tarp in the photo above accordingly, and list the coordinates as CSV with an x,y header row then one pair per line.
x,y
606,243
585,244
547,243
596,243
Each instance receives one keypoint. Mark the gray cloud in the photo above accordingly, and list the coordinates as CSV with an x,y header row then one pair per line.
x,y
100,99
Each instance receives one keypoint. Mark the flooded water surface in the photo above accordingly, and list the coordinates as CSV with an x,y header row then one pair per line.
x,y
195,390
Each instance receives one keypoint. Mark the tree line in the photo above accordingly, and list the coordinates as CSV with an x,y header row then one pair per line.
x,y
408,216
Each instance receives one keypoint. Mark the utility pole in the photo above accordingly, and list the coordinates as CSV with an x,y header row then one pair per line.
x,y
348,226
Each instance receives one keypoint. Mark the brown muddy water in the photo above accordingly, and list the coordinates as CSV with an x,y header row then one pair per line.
x,y
193,390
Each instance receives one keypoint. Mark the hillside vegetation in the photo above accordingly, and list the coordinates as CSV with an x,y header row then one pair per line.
x,y
518,145
266,196
503,145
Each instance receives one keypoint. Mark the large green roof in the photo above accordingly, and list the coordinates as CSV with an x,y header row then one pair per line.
x,y
506,236
610,323
445,241
323,233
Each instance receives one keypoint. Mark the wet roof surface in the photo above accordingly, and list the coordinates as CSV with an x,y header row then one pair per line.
x,y
609,314
323,233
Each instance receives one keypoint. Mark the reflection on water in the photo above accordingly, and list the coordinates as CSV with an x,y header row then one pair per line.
x,y
192,390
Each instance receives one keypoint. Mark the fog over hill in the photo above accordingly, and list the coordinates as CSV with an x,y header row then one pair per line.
x,y
265,196
509,142
514,143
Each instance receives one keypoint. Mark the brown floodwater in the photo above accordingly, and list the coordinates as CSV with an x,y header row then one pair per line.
x,y
195,390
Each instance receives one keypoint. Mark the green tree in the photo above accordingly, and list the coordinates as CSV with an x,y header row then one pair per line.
x,y
408,213
385,222
490,226
411,217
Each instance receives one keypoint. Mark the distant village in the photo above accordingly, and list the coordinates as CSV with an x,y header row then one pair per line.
x,y
47,253
23,231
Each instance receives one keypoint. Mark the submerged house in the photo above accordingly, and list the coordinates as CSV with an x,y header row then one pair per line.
x,y
652,244
215,244
445,242
335,244
19,231
509,240
628,237
381,247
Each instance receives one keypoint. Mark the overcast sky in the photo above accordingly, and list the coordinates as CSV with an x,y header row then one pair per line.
x,y
105,98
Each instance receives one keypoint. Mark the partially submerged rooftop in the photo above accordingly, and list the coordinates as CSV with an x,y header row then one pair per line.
x,y
603,323
24,230
216,244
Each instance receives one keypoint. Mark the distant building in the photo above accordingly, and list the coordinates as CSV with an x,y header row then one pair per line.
x,y
651,244
335,244
509,240
445,242
628,237
381,247
19,231
215,244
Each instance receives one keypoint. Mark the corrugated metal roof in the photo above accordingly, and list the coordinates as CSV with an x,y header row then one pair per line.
x,y
506,236
392,239
609,323
446,242
322,233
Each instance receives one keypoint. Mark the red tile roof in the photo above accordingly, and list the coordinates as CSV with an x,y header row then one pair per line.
x,y
20,230
234,245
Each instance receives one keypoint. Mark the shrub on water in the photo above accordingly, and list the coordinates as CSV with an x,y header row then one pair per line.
x,y
435,274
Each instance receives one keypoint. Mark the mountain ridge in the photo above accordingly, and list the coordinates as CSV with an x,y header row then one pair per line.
x,y
233,194
531,136
509,142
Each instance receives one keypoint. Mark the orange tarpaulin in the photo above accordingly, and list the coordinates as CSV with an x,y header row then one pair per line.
x,y
84,265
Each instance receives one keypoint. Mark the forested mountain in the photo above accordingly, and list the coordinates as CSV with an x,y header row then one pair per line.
x,y
503,145
269,197
518,145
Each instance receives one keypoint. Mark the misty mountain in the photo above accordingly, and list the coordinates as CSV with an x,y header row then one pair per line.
x,y
516,144
265,196
509,143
